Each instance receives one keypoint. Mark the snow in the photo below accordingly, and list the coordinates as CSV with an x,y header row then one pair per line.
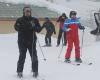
x,y
52,68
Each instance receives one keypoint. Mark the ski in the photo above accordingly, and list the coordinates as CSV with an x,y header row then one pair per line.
x,y
46,46
39,78
76,63
90,63
83,63
73,63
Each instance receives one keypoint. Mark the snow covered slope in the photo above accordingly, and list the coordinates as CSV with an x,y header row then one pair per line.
x,y
52,69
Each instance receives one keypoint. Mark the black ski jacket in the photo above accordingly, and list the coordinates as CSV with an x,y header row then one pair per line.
x,y
26,27
49,27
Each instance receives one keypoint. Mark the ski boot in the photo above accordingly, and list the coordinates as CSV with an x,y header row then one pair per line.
x,y
49,44
67,61
35,74
78,60
19,74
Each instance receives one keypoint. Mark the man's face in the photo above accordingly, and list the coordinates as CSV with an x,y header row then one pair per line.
x,y
27,13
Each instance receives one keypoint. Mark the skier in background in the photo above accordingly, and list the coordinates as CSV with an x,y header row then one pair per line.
x,y
97,20
61,34
27,26
71,26
50,29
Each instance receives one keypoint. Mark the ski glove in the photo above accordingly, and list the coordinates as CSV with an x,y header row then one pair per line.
x,y
69,30
32,23
81,27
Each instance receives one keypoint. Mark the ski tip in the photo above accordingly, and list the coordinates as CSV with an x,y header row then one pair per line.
x,y
78,64
90,63
44,59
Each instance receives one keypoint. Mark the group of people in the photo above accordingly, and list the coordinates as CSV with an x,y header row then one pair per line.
x,y
50,29
27,26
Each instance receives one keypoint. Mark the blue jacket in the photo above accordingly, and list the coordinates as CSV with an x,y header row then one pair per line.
x,y
70,22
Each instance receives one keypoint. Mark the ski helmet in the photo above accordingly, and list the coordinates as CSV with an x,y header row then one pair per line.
x,y
63,14
72,13
47,19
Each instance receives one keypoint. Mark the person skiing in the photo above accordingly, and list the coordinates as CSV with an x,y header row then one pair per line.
x,y
50,29
71,26
27,26
61,21
97,20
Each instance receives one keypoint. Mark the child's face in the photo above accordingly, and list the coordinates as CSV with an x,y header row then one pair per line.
x,y
73,16
63,17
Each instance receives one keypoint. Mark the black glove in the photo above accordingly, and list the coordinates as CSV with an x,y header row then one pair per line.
x,y
81,27
33,24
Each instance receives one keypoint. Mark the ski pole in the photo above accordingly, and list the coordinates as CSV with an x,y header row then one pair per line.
x,y
41,50
32,47
61,49
82,42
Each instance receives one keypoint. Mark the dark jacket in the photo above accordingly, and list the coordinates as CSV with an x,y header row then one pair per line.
x,y
49,26
26,27
61,20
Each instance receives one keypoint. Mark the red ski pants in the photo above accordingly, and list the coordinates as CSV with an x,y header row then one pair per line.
x,y
73,38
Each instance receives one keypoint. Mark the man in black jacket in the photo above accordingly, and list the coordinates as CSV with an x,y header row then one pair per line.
x,y
50,29
26,26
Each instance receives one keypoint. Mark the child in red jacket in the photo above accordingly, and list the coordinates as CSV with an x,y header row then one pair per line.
x,y
71,26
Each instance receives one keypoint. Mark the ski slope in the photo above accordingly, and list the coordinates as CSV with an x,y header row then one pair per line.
x,y
52,68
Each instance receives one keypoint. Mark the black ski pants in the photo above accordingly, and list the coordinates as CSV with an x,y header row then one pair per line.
x,y
48,38
60,35
23,47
